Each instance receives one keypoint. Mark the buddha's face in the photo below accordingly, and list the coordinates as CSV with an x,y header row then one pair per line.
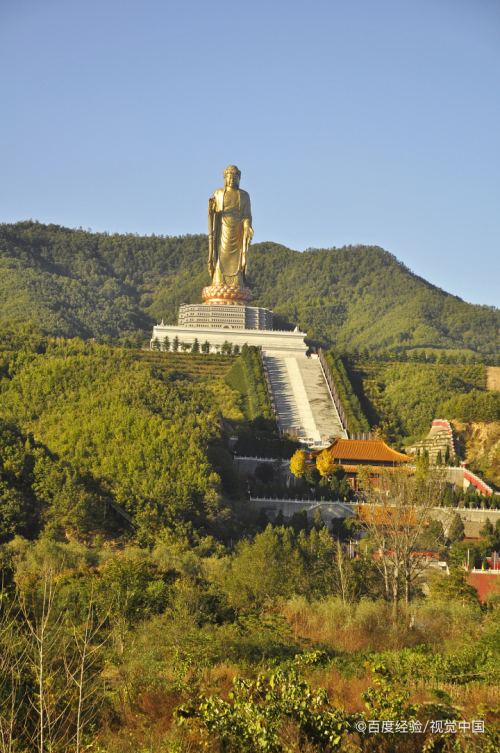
x,y
231,179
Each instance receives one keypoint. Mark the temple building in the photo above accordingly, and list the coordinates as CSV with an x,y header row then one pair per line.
x,y
352,454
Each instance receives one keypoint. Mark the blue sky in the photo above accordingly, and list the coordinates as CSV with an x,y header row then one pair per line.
x,y
353,121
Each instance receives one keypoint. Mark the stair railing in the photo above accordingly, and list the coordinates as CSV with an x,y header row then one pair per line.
x,y
333,390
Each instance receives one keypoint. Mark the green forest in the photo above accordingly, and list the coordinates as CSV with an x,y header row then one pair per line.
x,y
95,285
403,398
145,607
102,425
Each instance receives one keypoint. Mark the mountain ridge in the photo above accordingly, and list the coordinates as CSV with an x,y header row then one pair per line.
x,y
75,282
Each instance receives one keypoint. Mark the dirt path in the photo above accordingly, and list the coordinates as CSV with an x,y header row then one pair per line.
x,y
493,378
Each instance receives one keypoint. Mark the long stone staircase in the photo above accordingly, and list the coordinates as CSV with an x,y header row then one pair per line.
x,y
301,398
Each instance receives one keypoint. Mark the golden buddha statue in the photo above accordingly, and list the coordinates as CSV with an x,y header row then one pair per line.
x,y
229,235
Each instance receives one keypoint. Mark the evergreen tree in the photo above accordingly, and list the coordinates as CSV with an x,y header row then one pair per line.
x,y
279,520
491,535
456,531
453,587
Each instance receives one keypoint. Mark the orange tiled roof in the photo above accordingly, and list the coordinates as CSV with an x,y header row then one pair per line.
x,y
370,450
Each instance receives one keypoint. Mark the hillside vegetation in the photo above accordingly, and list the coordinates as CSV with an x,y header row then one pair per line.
x,y
402,399
96,426
482,447
190,624
187,645
78,283
357,422
493,378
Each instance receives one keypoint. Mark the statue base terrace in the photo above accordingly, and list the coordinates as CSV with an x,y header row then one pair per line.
x,y
212,337
225,316
213,325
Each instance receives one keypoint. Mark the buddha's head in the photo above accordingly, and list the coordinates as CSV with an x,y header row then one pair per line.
x,y
232,177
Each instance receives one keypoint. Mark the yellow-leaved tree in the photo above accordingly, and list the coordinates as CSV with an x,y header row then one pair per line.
x,y
298,463
324,463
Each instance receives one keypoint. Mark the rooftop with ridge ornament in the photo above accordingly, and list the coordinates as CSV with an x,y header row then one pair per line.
x,y
364,451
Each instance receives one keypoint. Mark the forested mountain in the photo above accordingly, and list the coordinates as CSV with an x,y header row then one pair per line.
x,y
191,624
75,282
147,606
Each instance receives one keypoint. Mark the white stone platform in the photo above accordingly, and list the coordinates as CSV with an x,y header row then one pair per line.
x,y
283,341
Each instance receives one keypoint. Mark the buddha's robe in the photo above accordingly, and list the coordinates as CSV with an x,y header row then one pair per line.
x,y
232,214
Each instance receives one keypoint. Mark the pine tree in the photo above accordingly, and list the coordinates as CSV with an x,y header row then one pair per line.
x,y
456,531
